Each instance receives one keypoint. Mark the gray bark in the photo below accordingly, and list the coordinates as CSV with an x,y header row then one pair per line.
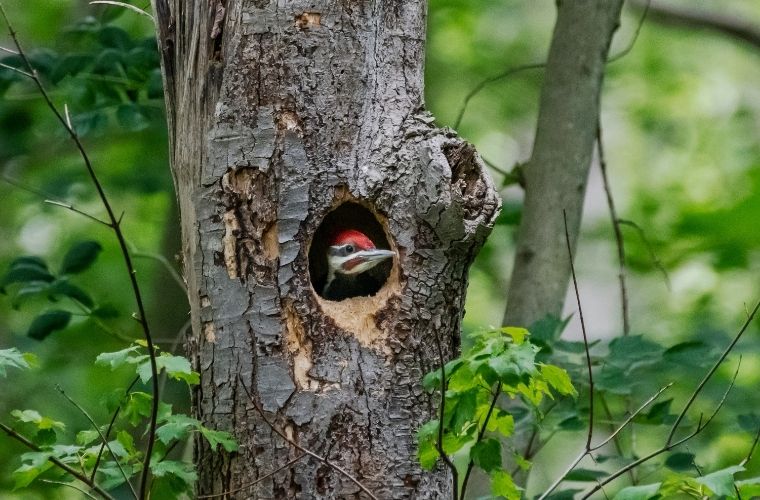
x,y
556,175
278,112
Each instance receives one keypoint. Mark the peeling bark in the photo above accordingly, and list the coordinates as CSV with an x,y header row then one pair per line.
x,y
279,112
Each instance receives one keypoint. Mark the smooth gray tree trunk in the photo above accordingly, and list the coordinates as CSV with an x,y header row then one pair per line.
x,y
556,175
279,111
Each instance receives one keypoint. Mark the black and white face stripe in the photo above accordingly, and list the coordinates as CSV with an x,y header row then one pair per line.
x,y
341,251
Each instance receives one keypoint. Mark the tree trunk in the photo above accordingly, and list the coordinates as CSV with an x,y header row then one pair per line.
x,y
555,177
280,112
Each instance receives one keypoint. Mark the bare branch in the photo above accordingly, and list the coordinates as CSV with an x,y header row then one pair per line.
x,y
655,260
300,448
68,206
710,373
620,243
21,439
481,433
70,485
103,439
727,24
585,336
109,429
124,5
122,245
441,412
590,449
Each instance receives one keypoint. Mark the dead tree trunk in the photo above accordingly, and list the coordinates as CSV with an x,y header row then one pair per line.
x,y
288,119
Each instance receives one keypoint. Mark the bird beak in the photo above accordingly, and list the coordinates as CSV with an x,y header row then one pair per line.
x,y
366,259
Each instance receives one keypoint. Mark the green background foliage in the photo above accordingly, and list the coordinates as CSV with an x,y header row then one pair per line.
x,y
681,118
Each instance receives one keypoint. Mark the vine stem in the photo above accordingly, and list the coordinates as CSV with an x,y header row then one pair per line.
x,y
115,225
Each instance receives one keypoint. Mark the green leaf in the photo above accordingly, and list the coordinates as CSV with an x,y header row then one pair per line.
x,y
558,379
427,453
34,417
658,414
70,65
28,472
463,409
115,38
643,492
749,422
48,322
518,334
691,354
132,117
177,367
183,472
87,436
80,257
106,311
680,462
25,273
12,358
721,482
63,287
216,438
585,475
486,454
501,422
29,260
120,358
503,485
45,437
137,407
177,427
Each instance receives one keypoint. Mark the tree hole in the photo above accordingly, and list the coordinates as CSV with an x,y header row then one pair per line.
x,y
350,255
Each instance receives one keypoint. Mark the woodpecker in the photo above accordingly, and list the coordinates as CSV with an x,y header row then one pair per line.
x,y
350,258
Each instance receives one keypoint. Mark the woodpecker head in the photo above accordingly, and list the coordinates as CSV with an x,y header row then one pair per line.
x,y
351,253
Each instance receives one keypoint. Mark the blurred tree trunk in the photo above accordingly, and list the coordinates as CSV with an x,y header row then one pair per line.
x,y
278,113
556,175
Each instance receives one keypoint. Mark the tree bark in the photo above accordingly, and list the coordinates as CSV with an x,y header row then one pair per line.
x,y
279,112
556,175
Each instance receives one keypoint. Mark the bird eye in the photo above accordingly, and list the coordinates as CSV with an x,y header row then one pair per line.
x,y
349,249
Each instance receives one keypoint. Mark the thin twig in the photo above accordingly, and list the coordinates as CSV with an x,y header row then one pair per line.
x,y
115,226
300,448
124,5
16,70
717,20
590,449
481,433
669,445
751,448
164,262
585,336
68,206
484,83
635,36
616,228
655,260
9,51
254,483
103,439
70,485
21,439
525,67
710,373
441,413
110,427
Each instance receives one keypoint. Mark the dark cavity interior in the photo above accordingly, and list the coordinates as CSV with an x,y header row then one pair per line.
x,y
348,215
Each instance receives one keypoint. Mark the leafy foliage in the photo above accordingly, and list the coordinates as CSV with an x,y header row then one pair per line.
x,y
500,366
